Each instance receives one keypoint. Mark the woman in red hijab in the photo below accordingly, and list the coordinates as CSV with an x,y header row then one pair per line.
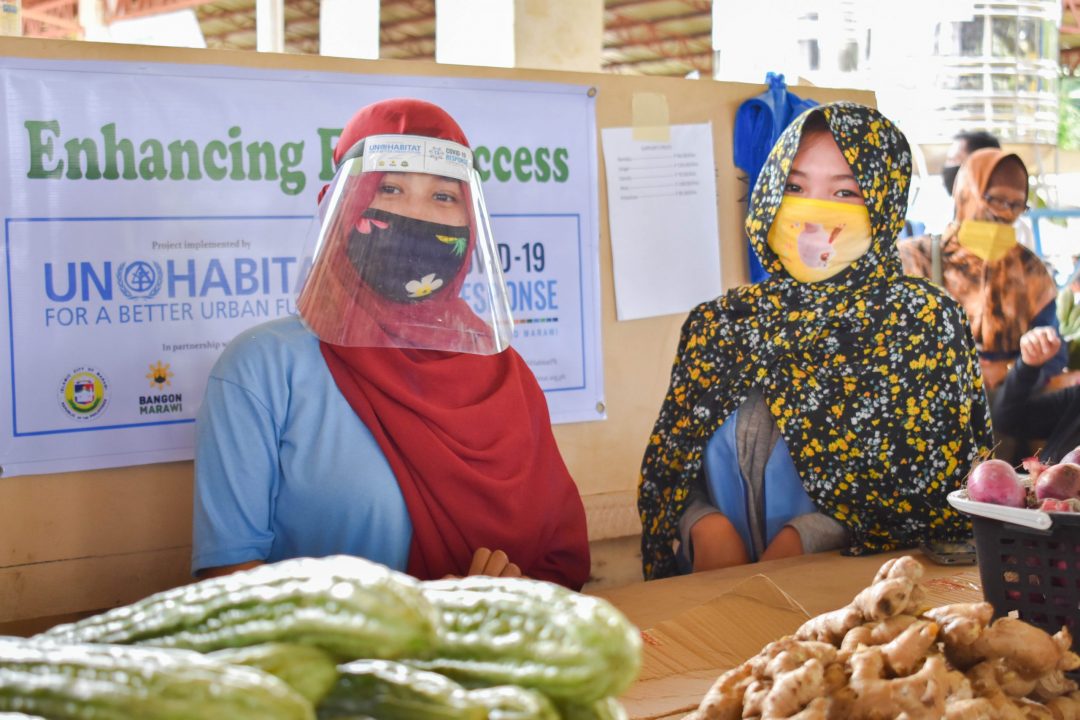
x,y
391,419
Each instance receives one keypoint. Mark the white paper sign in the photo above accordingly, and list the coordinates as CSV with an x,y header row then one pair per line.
x,y
665,243
151,212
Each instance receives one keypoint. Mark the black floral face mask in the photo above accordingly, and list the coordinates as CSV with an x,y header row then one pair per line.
x,y
404,259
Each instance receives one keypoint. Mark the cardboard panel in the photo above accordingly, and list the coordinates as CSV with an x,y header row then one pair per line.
x,y
89,583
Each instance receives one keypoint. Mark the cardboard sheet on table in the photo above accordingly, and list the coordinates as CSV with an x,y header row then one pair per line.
x,y
964,586
684,655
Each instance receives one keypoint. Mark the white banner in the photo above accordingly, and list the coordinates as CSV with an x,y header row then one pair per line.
x,y
151,212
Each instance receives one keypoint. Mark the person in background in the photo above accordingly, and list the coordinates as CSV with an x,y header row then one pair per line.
x,y
963,144
835,404
1004,288
1022,412
388,420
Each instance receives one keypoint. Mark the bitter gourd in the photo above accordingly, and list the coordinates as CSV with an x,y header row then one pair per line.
x,y
396,691
393,691
511,631
510,702
350,607
117,682
604,709
307,670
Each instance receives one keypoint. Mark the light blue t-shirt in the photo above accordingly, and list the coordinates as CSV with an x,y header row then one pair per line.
x,y
784,499
283,465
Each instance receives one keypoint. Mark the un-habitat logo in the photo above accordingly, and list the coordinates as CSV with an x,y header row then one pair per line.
x,y
139,280
84,393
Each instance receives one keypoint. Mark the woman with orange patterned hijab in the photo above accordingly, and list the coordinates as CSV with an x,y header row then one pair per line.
x,y
1004,288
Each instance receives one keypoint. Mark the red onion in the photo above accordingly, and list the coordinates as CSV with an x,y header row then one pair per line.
x,y
1060,482
995,481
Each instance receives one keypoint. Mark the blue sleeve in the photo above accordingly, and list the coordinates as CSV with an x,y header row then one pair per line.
x,y
236,475
1047,317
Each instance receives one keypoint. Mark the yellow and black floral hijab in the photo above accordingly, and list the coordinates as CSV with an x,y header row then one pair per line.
x,y
871,376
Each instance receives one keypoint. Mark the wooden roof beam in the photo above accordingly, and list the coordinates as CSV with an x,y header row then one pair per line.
x,y
63,24
416,44
71,6
131,9
422,7
659,44
391,26
623,23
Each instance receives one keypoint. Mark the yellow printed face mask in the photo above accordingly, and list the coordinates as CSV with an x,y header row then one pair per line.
x,y
817,239
989,240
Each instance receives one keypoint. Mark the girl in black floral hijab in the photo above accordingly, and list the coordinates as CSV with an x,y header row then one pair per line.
x,y
836,403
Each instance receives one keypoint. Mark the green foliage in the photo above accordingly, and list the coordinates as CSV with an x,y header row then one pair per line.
x,y
1068,115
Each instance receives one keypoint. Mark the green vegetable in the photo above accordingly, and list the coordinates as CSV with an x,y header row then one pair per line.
x,y
350,607
511,631
392,691
396,691
307,670
510,702
116,682
605,709
1068,313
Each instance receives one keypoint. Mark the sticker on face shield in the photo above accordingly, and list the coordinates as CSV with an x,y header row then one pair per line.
x,y
414,153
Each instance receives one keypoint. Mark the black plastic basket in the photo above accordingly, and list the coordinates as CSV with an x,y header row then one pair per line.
x,y
1034,573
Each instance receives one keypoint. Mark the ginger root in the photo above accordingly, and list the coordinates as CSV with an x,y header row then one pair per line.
x,y
892,593
885,656
832,626
921,695
724,700
907,651
971,709
1065,707
793,690
1029,651
818,709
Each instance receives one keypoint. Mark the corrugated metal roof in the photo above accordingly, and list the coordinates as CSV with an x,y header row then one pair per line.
x,y
653,37
649,37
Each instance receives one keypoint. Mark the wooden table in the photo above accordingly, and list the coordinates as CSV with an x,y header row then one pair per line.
x,y
817,583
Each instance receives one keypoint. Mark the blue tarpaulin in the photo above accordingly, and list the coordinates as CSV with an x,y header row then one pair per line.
x,y
758,124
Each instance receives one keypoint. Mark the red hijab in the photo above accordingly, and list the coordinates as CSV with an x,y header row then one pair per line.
x,y
467,436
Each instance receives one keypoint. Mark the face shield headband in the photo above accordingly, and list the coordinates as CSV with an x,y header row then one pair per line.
x,y
425,276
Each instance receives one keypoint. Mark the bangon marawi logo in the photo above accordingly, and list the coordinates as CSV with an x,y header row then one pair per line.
x,y
84,393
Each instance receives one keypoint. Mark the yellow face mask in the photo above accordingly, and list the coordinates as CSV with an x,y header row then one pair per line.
x,y
817,239
991,241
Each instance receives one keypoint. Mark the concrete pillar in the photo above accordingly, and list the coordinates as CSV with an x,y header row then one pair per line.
x,y
543,34
474,32
270,25
349,28
92,19
743,50
559,34
11,17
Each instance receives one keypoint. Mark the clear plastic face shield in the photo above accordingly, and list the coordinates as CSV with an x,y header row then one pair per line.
x,y
402,255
